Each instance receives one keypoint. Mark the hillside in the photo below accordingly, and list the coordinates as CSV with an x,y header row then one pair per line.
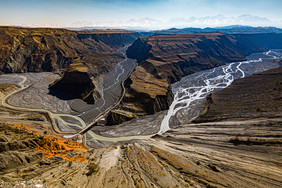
x,y
232,29
257,96
63,51
46,49
165,59
234,152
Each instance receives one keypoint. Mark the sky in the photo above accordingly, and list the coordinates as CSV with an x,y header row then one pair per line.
x,y
140,14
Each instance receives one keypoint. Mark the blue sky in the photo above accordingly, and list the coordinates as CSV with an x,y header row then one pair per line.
x,y
148,14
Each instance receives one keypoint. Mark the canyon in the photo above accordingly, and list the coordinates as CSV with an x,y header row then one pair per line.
x,y
86,109
224,153
44,49
165,59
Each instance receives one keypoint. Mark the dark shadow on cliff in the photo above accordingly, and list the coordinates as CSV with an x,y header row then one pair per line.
x,y
62,94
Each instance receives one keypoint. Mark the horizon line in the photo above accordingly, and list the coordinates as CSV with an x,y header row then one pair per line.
x,y
134,28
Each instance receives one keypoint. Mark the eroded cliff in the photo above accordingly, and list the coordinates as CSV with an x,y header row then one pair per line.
x,y
46,49
90,54
75,83
165,59
233,152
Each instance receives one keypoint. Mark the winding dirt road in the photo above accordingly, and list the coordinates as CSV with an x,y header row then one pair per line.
x,y
53,117
217,81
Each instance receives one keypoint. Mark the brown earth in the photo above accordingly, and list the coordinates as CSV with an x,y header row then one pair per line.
x,y
46,49
165,59
76,83
235,152
261,96
5,87
239,146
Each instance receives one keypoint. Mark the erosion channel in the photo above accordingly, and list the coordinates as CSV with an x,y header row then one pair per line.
x,y
189,96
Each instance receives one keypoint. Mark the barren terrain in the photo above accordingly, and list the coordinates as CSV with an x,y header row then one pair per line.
x,y
97,119
231,152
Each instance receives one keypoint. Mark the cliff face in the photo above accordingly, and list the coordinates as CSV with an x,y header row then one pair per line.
x,y
217,154
45,49
75,83
250,43
164,59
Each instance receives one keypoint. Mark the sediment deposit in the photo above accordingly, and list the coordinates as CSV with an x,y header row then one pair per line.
x,y
165,59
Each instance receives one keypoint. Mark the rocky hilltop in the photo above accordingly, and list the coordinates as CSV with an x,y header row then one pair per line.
x,y
46,49
85,56
165,59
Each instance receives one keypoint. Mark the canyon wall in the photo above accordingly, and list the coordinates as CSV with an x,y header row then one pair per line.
x,y
250,43
46,49
165,59
79,55
162,59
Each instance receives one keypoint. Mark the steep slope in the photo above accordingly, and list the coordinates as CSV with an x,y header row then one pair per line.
x,y
251,43
173,56
256,96
165,59
46,49
235,152
75,83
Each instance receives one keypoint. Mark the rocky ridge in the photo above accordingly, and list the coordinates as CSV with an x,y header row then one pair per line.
x,y
165,59
230,152
46,49
75,83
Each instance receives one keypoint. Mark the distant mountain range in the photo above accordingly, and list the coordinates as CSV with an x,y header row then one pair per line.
x,y
231,29
226,29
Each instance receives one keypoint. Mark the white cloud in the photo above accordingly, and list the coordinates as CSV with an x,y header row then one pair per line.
x,y
81,23
147,23
220,20
142,23
207,21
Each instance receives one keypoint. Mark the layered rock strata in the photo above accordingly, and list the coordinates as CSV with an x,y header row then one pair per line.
x,y
165,59
252,97
234,152
46,49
